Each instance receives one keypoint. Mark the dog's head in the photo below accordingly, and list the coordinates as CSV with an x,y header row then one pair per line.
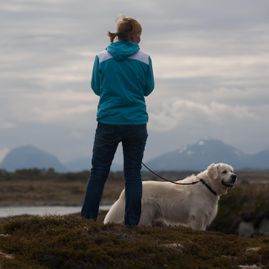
x,y
222,176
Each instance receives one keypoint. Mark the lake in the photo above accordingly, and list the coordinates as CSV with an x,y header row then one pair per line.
x,y
9,211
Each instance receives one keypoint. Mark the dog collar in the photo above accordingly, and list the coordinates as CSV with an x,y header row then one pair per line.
x,y
208,187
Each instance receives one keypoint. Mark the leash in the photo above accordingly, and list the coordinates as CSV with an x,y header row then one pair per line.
x,y
171,181
182,183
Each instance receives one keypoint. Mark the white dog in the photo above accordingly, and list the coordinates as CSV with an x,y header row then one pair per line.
x,y
194,206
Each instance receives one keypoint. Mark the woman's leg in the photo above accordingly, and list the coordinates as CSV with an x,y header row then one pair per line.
x,y
105,145
133,150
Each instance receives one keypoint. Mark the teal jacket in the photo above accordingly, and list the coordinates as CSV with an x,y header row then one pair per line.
x,y
122,76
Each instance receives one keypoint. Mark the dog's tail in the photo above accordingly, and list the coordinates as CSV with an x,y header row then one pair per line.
x,y
116,212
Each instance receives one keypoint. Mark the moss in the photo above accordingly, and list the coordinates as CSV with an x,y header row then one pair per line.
x,y
71,242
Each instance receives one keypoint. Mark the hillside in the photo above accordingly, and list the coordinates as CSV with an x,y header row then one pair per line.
x,y
71,242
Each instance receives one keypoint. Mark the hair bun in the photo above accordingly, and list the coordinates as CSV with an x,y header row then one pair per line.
x,y
126,28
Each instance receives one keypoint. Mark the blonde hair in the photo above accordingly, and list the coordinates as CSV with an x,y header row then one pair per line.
x,y
127,27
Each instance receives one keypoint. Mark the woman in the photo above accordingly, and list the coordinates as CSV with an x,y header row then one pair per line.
x,y
122,76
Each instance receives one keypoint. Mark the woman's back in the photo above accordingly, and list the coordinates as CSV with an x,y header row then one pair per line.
x,y
122,76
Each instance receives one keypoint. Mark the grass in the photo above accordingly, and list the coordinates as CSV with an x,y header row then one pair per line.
x,y
248,202
71,242
37,187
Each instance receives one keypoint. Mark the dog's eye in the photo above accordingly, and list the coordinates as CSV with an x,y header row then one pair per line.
x,y
224,172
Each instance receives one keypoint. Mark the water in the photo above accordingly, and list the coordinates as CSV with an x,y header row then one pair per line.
x,y
9,211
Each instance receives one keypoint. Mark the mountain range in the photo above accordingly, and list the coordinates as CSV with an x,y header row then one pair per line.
x,y
196,156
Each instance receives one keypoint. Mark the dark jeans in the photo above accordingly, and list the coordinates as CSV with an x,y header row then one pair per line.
x,y
107,138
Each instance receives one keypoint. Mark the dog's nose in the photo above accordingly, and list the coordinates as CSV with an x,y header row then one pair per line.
x,y
234,177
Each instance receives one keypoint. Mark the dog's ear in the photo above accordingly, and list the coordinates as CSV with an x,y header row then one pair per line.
x,y
212,171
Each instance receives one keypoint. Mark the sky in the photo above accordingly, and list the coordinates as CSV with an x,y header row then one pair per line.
x,y
210,60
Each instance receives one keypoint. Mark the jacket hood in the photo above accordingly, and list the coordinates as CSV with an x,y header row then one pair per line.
x,y
121,50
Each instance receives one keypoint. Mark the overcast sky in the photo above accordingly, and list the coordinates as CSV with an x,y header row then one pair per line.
x,y
210,59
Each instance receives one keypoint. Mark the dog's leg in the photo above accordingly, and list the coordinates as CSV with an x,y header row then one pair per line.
x,y
198,223
149,214
159,223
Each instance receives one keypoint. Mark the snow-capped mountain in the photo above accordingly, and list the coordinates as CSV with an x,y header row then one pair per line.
x,y
199,155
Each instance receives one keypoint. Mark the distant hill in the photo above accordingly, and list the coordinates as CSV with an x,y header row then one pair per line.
x,y
199,155
84,163
80,164
30,157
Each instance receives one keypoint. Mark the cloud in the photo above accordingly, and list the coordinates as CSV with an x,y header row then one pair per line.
x,y
221,66
7,125
49,106
210,62
175,113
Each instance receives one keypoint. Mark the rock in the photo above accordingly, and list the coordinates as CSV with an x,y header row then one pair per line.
x,y
246,229
254,266
253,249
4,235
176,246
264,227
6,256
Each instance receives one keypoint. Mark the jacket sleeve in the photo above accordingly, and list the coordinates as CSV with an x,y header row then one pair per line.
x,y
150,80
95,82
